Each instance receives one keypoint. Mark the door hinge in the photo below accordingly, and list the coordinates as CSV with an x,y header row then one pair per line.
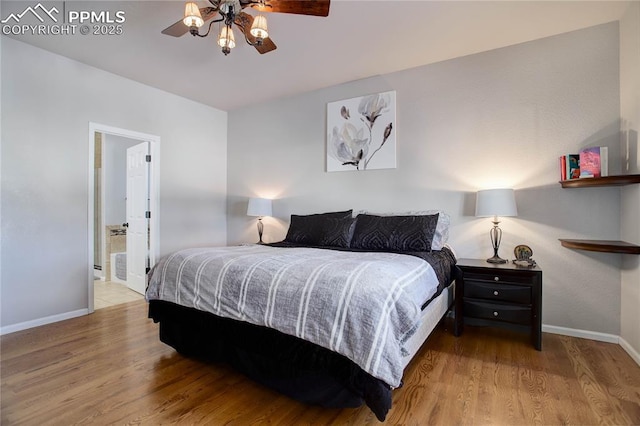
x,y
147,214
147,158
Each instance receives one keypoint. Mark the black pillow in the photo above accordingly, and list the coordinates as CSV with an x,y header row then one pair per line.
x,y
309,229
337,232
394,233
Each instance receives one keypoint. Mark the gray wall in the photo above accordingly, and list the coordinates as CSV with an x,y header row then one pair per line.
x,y
48,102
630,125
494,119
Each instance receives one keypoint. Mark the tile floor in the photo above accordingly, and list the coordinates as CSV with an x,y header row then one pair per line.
x,y
108,293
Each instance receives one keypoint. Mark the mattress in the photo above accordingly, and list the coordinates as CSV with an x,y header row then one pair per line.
x,y
431,316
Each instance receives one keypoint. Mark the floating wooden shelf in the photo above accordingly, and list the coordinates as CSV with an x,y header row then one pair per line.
x,y
605,246
619,180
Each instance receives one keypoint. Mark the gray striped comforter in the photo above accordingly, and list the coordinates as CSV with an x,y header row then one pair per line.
x,y
361,305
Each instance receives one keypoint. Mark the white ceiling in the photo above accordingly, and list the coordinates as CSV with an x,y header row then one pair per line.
x,y
358,39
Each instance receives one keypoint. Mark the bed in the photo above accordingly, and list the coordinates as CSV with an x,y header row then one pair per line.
x,y
330,316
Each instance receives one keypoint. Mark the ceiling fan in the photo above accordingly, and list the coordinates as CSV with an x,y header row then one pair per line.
x,y
231,13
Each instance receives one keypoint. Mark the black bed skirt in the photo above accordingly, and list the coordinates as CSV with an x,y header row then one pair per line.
x,y
294,367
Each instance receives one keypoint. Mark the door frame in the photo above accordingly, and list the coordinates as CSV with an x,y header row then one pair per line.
x,y
154,195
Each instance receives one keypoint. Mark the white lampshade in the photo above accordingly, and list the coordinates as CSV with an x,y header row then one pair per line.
x,y
259,207
259,27
496,202
192,16
226,38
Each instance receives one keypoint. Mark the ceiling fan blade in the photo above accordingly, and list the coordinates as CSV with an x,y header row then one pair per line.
x,y
299,7
179,28
244,22
266,46
176,30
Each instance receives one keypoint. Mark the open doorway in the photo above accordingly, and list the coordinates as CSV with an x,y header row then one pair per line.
x,y
123,213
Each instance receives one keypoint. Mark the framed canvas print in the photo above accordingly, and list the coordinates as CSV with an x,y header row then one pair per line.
x,y
361,133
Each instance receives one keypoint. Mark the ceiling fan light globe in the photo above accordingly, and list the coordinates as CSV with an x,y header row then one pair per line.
x,y
192,16
230,6
259,27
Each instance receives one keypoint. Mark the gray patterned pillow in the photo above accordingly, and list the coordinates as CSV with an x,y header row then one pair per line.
x,y
309,229
440,237
394,233
337,232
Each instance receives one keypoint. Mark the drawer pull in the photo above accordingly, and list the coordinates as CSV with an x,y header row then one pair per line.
x,y
495,293
496,278
495,313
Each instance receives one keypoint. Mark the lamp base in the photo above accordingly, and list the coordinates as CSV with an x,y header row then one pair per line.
x,y
496,259
496,237
260,229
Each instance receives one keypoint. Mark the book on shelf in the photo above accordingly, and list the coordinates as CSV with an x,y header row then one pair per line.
x,y
569,166
594,162
573,166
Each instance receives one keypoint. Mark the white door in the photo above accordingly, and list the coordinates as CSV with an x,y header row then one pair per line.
x,y
138,214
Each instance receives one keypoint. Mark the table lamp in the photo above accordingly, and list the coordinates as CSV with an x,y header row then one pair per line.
x,y
259,207
496,202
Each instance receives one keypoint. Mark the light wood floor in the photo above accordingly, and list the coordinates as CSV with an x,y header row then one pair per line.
x,y
110,368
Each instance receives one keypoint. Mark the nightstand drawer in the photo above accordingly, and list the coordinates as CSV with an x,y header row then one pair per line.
x,y
498,312
498,277
500,292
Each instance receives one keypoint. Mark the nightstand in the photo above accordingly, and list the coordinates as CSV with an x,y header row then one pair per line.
x,y
500,295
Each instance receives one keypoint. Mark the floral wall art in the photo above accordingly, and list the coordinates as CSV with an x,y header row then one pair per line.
x,y
361,133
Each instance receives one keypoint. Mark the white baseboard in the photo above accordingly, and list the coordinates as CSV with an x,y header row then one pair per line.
x,y
583,334
630,350
594,335
42,321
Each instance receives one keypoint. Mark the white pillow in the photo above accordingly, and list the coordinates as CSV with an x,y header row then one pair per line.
x,y
440,236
